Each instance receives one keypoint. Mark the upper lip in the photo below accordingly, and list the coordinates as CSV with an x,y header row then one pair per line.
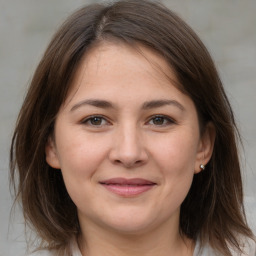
x,y
124,181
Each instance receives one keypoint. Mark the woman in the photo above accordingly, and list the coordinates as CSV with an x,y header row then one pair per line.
x,y
126,142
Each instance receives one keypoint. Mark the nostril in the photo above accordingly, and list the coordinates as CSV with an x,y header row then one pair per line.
x,y
126,155
128,164
138,162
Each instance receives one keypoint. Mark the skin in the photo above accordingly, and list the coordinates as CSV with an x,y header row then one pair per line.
x,y
129,139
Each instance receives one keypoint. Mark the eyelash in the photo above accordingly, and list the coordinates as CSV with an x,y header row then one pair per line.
x,y
88,120
166,121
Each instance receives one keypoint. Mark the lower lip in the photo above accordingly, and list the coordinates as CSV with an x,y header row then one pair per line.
x,y
128,191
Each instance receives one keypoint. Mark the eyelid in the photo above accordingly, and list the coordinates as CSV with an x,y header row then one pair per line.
x,y
169,119
85,120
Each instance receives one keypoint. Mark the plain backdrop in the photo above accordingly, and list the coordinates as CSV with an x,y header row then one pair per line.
x,y
227,27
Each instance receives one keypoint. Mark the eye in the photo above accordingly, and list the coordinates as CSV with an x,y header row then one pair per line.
x,y
160,120
95,121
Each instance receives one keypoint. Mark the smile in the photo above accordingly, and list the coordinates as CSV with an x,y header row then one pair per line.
x,y
127,187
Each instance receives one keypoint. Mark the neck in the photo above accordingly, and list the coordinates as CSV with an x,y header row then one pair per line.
x,y
105,242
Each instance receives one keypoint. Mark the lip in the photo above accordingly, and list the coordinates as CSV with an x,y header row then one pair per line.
x,y
128,187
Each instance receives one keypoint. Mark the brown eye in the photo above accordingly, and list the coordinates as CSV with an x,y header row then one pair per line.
x,y
95,121
160,121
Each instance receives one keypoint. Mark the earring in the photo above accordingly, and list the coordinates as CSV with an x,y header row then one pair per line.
x,y
202,167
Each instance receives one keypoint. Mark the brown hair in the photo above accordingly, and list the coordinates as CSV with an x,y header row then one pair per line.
x,y
213,209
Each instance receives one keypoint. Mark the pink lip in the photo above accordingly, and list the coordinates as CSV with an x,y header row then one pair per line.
x,y
128,187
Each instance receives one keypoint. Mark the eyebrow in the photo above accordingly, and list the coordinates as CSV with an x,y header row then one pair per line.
x,y
161,103
146,105
93,102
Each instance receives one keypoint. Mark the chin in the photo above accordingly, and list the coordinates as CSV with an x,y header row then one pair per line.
x,y
130,223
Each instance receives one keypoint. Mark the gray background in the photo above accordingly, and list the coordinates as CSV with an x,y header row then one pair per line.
x,y
227,27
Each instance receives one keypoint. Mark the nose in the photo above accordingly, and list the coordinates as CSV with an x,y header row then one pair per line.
x,y
128,148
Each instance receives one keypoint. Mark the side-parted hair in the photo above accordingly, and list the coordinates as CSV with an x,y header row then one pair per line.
x,y
213,210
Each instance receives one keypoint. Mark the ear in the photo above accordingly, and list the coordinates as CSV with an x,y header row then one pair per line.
x,y
205,147
51,153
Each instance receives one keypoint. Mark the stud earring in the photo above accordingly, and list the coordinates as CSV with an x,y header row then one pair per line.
x,y
202,167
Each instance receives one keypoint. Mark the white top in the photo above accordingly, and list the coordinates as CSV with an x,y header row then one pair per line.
x,y
250,250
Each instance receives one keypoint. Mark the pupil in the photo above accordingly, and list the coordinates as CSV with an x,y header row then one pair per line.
x,y
158,120
96,120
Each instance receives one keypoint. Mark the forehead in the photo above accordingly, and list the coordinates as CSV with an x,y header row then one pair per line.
x,y
117,60
126,78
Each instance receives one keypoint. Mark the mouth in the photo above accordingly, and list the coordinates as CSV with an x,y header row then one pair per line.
x,y
128,187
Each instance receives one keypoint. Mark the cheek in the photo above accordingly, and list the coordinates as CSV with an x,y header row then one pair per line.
x,y
176,152
79,153
175,157
80,159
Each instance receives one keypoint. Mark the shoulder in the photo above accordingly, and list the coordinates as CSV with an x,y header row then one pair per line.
x,y
42,253
204,250
72,247
248,248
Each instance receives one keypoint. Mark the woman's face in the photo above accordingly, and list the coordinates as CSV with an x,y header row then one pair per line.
x,y
127,141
